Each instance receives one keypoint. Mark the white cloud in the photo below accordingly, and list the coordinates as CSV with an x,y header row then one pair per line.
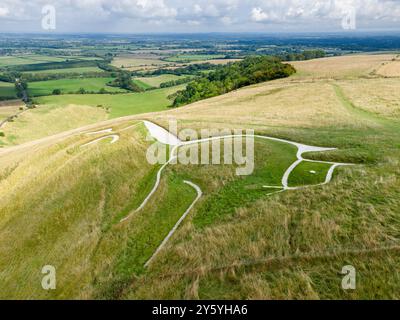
x,y
258,15
226,20
145,9
197,9
245,15
4,11
312,11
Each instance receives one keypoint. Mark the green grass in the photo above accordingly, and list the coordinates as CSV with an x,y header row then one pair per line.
x,y
44,88
308,173
7,90
120,104
142,84
220,204
147,230
27,59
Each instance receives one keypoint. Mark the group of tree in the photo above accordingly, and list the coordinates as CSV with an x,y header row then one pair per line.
x,y
21,88
57,92
305,55
251,70
9,76
107,67
124,81
192,69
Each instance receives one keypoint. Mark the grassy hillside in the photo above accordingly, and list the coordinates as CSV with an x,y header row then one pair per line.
x,y
121,104
58,113
10,107
48,120
62,202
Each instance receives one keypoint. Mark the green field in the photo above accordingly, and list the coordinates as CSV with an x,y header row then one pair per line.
x,y
80,70
18,60
7,90
142,84
27,59
120,104
44,88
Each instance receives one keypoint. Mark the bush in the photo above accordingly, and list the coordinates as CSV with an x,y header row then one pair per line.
x,y
57,92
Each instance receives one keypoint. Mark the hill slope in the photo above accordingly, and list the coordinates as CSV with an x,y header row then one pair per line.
x,y
62,203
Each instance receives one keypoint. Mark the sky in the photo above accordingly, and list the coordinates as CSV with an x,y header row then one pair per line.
x,y
180,16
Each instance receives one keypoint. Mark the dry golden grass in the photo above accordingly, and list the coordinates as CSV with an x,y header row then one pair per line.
x,y
342,67
8,108
95,184
134,63
269,105
49,120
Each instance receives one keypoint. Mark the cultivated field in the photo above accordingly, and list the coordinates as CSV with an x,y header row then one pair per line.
x,y
80,70
135,63
27,59
7,90
157,80
63,200
44,88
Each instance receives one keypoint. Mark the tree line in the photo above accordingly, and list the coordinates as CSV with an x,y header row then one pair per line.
x,y
251,70
305,55
173,83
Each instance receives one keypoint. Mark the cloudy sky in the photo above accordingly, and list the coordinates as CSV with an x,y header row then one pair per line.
x,y
141,16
